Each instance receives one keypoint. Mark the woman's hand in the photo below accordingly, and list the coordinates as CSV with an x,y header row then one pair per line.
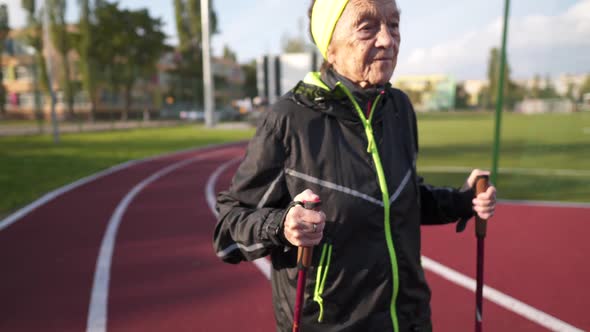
x,y
485,203
303,227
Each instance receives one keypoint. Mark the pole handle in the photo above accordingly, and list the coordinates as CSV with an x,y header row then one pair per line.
x,y
482,184
304,254
304,257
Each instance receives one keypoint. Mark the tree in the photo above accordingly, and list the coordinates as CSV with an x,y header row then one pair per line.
x,y
86,46
585,87
512,91
461,97
250,81
494,76
293,44
108,30
548,91
229,54
144,48
34,38
4,29
570,92
131,42
535,90
189,71
61,41
296,44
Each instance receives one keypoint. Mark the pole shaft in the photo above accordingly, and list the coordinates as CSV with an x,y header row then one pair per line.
x,y
479,287
481,185
301,276
209,102
500,96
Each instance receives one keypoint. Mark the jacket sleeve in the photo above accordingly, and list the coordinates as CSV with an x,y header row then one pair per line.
x,y
440,205
251,212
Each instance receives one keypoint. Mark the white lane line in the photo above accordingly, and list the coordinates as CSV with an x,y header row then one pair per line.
x,y
509,170
97,313
545,204
455,277
262,264
19,214
11,219
499,298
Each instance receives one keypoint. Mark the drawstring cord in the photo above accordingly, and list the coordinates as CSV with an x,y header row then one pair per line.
x,y
321,278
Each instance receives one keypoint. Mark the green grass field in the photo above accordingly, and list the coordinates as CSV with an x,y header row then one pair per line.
x,y
7,123
31,166
530,144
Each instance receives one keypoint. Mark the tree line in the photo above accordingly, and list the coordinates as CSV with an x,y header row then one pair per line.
x,y
541,88
116,48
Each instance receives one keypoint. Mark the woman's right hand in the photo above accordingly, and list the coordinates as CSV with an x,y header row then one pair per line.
x,y
303,227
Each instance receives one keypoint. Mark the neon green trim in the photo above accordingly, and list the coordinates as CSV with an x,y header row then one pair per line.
x,y
314,78
324,16
372,148
321,279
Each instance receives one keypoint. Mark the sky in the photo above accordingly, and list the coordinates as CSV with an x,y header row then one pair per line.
x,y
547,37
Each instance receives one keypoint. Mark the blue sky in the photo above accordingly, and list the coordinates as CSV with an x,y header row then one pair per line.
x,y
449,37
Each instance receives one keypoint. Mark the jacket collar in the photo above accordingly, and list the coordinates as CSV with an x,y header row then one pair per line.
x,y
325,95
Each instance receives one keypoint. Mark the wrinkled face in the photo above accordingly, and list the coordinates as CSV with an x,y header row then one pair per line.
x,y
365,42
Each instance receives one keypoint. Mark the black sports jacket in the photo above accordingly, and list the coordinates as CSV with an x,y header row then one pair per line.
x,y
361,161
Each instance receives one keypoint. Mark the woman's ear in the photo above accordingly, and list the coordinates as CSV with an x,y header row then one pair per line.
x,y
330,56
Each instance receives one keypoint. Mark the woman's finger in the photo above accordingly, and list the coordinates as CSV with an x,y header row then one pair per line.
x,y
484,209
486,215
306,195
483,202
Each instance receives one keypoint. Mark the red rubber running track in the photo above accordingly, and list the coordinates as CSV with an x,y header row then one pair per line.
x,y
164,275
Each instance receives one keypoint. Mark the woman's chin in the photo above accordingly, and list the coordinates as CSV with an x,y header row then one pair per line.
x,y
381,79
383,72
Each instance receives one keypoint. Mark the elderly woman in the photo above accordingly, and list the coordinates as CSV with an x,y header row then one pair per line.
x,y
345,136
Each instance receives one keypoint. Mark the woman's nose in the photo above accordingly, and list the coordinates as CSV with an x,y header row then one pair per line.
x,y
385,38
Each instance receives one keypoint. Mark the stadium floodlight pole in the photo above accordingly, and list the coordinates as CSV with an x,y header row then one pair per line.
x,y
500,96
209,101
49,68
482,183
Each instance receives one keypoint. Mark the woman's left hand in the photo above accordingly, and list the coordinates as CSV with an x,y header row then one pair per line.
x,y
485,203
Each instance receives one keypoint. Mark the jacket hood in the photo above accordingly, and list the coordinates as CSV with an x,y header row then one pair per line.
x,y
314,93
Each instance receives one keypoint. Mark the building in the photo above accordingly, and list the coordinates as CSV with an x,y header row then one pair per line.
x,y
229,81
569,83
277,74
25,99
473,89
428,92
536,106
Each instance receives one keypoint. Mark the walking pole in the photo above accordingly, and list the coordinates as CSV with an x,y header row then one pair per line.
x,y
481,185
304,255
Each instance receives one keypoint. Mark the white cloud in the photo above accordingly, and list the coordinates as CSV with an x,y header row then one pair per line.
x,y
536,44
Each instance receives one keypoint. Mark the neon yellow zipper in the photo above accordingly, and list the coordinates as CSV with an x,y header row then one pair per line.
x,y
313,78
372,149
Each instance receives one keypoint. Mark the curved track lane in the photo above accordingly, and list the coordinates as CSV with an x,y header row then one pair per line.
x,y
164,275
